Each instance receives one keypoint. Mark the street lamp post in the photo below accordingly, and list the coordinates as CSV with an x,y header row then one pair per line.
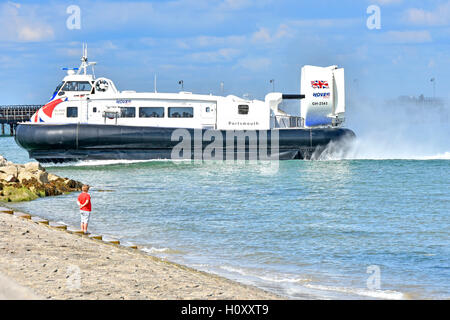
x,y
181,82
433,80
272,81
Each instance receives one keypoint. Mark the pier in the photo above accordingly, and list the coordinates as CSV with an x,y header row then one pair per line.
x,y
13,114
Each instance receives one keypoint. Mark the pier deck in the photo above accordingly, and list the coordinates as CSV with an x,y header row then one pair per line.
x,y
13,114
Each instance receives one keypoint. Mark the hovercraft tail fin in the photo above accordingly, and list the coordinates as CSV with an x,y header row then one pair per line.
x,y
324,90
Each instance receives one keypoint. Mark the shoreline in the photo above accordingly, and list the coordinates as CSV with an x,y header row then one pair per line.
x,y
60,264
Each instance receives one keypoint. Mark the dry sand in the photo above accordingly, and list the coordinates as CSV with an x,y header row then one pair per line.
x,y
54,264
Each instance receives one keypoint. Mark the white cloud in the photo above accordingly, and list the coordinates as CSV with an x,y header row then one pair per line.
x,y
386,2
221,55
438,17
235,4
254,64
34,33
241,4
263,35
325,23
19,23
211,41
407,36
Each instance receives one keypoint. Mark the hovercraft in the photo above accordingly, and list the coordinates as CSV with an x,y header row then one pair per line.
x,y
87,118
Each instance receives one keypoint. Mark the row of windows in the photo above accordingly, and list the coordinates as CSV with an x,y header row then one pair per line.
x,y
154,112
157,112
77,86
144,112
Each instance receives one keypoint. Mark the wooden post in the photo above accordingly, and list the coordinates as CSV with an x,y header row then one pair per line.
x,y
3,129
11,128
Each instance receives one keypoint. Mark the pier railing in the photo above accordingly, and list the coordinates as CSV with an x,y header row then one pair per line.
x,y
13,114
287,121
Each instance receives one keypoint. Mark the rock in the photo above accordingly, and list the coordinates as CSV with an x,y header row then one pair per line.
x,y
25,175
9,170
30,181
52,177
42,177
33,166
11,178
30,171
4,162
73,184
11,193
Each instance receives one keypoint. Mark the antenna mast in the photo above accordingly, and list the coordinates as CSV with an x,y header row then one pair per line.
x,y
84,61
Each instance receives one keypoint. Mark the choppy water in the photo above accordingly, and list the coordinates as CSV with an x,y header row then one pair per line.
x,y
307,229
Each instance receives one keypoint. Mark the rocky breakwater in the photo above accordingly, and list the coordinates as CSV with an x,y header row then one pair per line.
x,y
25,182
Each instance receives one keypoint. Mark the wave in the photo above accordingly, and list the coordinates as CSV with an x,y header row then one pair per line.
x,y
153,250
377,294
271,278
296,286
88,163
440,156
366,149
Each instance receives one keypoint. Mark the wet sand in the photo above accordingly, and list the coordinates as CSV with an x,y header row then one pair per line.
x,y
55,264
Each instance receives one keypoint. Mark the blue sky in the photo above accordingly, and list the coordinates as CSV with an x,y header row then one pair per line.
x,y
243,43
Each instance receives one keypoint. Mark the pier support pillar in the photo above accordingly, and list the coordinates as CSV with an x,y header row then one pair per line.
x,y
11,129
3,129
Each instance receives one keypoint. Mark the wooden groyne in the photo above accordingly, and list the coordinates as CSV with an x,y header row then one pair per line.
x,y
63,227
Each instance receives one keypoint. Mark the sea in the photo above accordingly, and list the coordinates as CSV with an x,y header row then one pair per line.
x,y
366,226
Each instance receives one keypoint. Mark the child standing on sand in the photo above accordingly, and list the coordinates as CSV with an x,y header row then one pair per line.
x,y
84,202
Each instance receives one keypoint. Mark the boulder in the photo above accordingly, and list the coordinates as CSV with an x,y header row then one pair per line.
x,y
52,177
33,167
4,162
11,178
72,184
9,170
25,175
29,181
42,177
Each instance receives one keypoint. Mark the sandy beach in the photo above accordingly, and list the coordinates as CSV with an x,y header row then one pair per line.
x,y
42,262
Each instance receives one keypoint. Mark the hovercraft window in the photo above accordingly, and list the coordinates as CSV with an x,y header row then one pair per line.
x,y
57,88
151,112
243,109
128,112
181,112
77,86
72,112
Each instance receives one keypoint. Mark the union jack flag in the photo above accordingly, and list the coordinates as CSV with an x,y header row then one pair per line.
x,y
318,84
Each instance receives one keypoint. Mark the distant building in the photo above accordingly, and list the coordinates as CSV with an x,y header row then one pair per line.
x,y
419,101
422,109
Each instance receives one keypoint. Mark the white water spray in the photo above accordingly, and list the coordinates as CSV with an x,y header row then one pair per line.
x,y
393,130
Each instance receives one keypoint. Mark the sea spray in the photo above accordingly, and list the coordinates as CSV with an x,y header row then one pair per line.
x,y
394,130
